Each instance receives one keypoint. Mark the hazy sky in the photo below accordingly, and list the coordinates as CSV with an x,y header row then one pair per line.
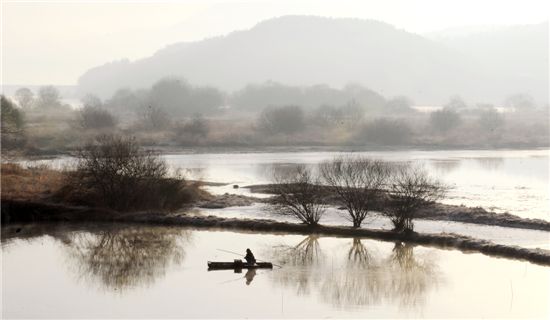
x,y
54,42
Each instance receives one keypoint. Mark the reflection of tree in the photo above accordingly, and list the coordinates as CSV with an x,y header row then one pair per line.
x,y
358,253
299,263
305,253
445,166
363,278
358,282
282,170
490,163
126,257
410,278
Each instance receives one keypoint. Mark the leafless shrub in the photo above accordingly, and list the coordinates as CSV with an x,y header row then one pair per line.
x,y
115,172
154,118
384,131
299,195
193,130
410,187
357,182
286,120
445,119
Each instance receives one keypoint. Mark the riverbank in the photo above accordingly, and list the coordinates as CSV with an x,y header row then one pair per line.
x,y
41,185
36,212
34,154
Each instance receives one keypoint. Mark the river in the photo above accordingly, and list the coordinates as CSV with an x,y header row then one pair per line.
x,y
96,271
513,181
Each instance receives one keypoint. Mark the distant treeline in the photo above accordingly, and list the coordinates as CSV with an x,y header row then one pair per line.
x,y
175,113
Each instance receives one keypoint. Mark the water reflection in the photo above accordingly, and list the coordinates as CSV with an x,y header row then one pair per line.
x,y
29,232
266,171
357,282
490,163
400,278
358,254
411,279
249,276
126,257
445,166
305,253
362,278
298,262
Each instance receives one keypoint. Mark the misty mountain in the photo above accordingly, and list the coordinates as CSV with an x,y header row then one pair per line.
x,y
307,50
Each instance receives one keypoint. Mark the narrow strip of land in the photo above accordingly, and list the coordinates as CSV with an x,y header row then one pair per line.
x,y
29,211
445,212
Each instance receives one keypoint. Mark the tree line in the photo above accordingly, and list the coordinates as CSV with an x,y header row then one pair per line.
x,y
173,111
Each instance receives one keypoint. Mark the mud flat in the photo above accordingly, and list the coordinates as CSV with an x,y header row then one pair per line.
x,y
446,212
477,215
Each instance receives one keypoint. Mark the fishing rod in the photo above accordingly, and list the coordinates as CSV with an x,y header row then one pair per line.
x,y
240,255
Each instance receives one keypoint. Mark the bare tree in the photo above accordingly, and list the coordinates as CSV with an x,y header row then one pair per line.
x,y
49,97
91,100
95,118
357,181
299,195
409,189
286,120
194,129
114,171
24,97
154,118
445,119
383,131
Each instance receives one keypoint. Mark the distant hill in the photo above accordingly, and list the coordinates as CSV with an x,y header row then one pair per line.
x,y
307,50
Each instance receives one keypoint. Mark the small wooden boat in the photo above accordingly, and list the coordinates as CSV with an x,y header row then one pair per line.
x,y
238,264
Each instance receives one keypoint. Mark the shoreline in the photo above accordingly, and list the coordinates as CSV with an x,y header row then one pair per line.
x,y
43,212
446,212
39,154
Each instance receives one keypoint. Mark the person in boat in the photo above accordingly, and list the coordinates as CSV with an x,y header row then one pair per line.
x,y
249,257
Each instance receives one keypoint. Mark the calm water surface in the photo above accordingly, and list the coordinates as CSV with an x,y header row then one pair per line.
x,y
143,272
517,182
514,181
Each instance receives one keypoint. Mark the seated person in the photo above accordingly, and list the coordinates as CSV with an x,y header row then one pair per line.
x,y
249,257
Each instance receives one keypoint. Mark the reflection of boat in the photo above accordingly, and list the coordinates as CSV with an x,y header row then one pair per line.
x,y
239,264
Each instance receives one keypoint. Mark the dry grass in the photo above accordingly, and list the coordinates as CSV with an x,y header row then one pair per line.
x,y
36,183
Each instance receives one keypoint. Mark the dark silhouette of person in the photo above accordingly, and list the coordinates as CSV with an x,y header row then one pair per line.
x,y
249,276
249,257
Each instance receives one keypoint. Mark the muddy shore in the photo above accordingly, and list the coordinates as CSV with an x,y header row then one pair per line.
x,y
445,212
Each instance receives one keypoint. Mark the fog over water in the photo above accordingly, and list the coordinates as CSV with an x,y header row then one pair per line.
x,y
426,121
